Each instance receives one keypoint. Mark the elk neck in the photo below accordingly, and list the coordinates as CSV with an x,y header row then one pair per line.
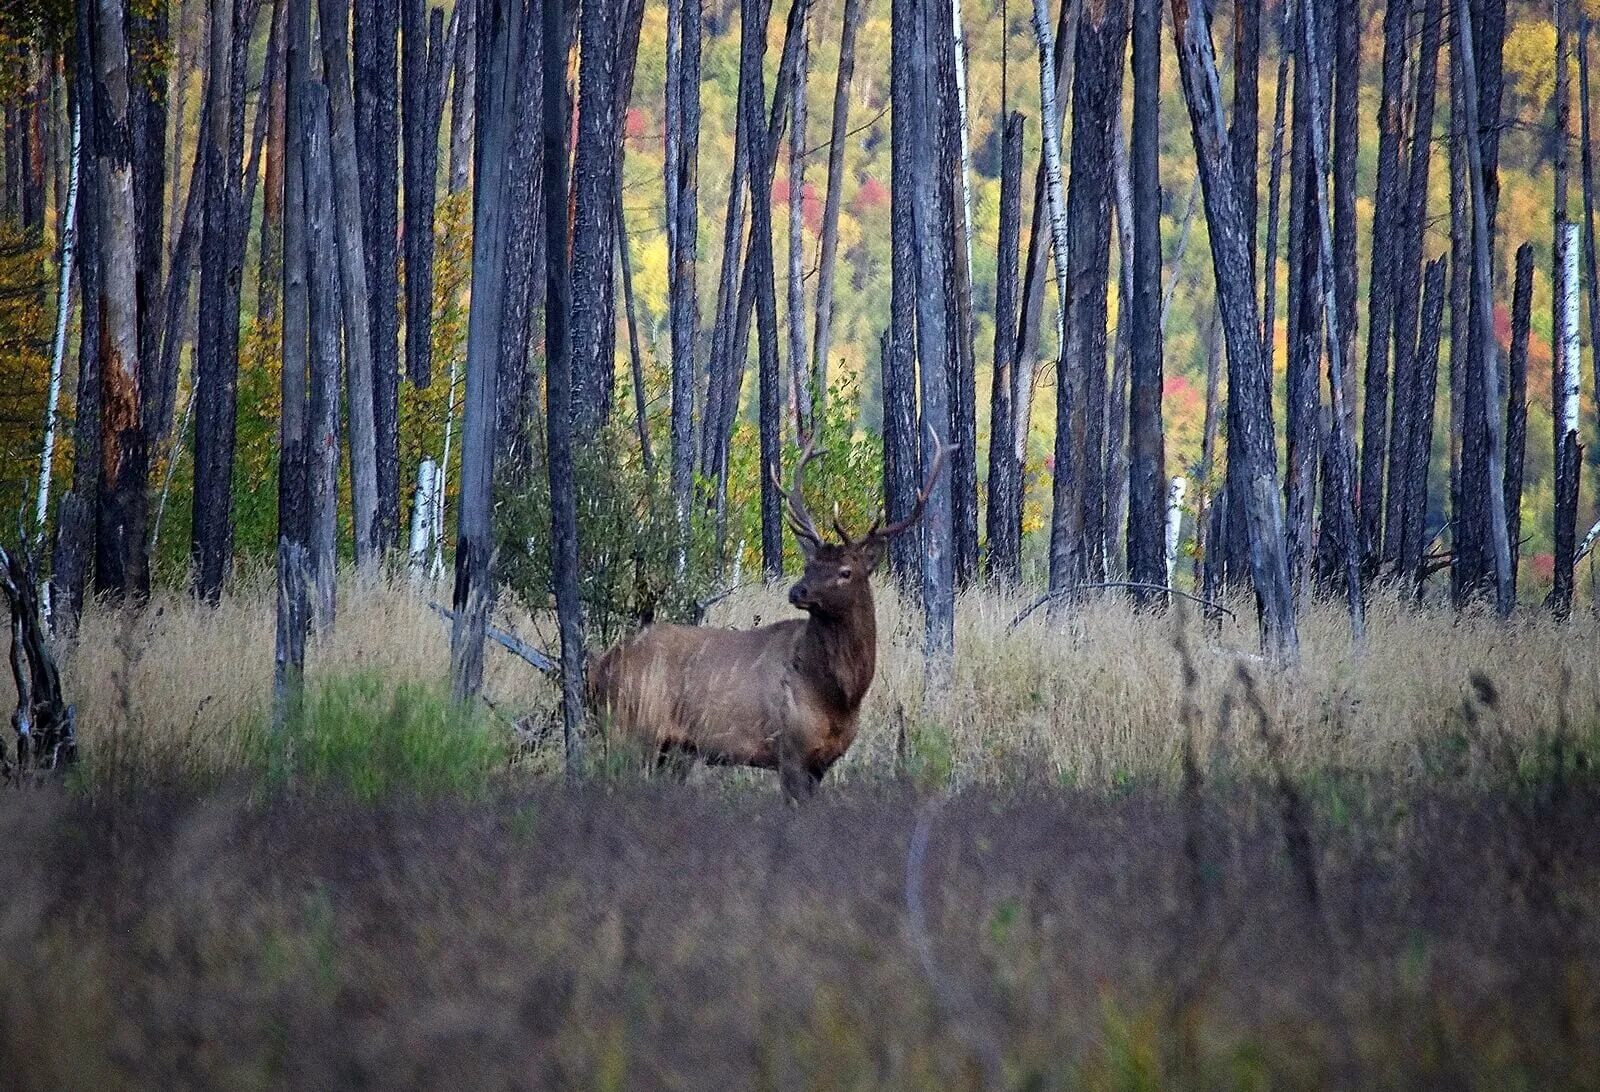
x,y
838,654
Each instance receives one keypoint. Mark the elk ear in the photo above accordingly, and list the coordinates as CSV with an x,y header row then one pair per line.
x,y
874,549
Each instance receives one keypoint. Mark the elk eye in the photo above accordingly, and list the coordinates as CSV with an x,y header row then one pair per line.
x,y
844,574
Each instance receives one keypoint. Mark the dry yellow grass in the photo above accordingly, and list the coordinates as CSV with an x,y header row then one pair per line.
x,y
1089,699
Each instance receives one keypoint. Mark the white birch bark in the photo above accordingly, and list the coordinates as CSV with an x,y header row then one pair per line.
x,y
58,349
1571,371
1052,166
1177,489
423,509
961,114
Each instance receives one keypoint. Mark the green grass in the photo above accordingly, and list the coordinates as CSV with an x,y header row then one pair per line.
x,y
372,737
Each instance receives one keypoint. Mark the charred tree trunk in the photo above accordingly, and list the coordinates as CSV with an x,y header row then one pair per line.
x,y
1466,541
559,381
799,382
76,522
463,96
1345,43
1005,473
1423,395
828,255
1387,209
376,78
1406,283
901,457
753,14
423,61
1304,404
147,120
121,563
593,182
269,272
931,214
360,354
1517,400
1243,125
324,318
683,297
1148,470
1241,327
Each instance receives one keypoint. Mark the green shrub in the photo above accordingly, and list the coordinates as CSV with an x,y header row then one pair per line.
x,y
372,737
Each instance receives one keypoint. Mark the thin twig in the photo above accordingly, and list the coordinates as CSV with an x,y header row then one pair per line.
x,y
1134,585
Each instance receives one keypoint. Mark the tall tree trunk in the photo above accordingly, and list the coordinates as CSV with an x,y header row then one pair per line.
x,y
1066,527
323,318
1244,124
1387,224
1303,399
463,103
901,456
593,182
1339,507
1148,463
1423,395
1241,327
1005,473
360,358
1116,450
828,255
1345,46
1591,259
269,280
1566,364
800,389
685,219
1410,223
564,543
295,449
1481,168
752,46
1040,233
76,523
931,213
65,261
1517,401
423,63
1466,549
121,564
147,120
500,27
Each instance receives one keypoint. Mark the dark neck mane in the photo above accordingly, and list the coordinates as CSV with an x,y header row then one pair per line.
x,y
839,655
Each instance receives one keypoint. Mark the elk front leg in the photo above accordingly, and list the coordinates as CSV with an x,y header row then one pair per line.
x,y
673,762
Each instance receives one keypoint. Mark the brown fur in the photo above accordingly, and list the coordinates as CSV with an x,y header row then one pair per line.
x,y
785,696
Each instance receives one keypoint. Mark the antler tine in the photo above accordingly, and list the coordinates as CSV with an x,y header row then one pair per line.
x,y
941,452
800,519
839,527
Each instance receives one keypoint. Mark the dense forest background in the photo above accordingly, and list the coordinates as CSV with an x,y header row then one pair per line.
x,y
1001,55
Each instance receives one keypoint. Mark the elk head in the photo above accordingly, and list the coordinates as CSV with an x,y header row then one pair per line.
x,y
835,577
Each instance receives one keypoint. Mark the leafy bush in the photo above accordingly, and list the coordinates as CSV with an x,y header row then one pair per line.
x,y
372,737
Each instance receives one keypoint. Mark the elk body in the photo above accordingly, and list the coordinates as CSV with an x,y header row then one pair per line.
x,y
785,696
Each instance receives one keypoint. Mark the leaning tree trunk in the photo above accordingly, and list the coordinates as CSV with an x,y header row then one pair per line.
x,y
1387,210
1041,235
360,355
828,255
1517,401
1147,466
1066,531
121,563
1005,473
800,387
1241,328
752,46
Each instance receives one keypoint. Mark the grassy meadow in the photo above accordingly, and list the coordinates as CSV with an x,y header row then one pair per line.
x,y
1120,852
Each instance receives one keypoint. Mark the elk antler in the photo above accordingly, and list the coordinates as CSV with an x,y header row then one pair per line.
x,y
799,518
941,452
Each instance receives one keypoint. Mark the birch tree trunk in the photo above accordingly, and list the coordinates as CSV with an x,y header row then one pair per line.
x,y
58,342
1566,364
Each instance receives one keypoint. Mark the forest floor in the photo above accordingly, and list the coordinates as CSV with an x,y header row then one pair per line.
x,y
1380,869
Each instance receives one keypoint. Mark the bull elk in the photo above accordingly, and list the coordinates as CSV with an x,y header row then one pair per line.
x,y
786,696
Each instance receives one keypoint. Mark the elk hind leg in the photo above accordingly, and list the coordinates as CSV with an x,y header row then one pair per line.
x,y
673,762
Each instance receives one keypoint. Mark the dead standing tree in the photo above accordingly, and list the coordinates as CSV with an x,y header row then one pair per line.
x,y
1241,327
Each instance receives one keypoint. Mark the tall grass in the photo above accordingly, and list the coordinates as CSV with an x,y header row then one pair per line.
x,y
1091,699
